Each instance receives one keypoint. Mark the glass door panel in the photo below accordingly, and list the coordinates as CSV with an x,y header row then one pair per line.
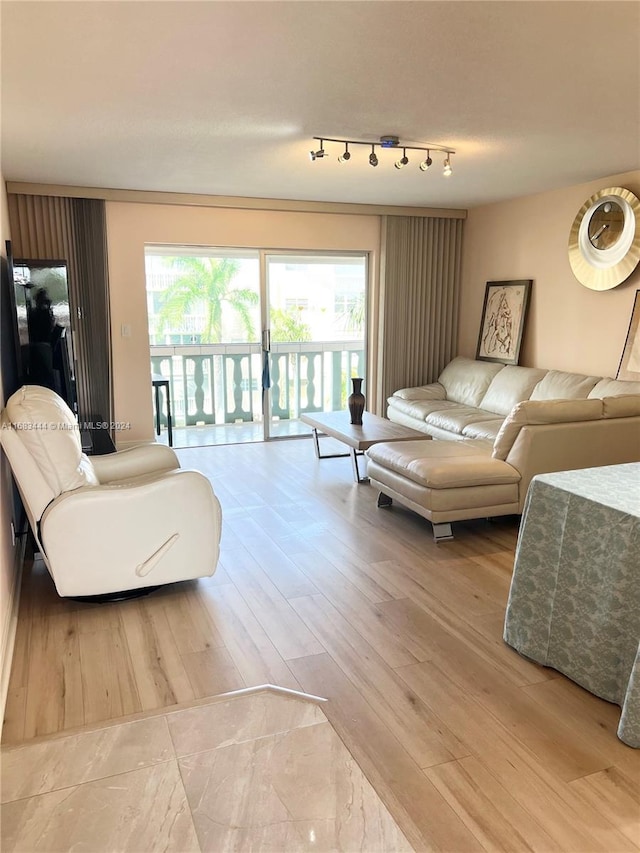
x,y
204,333
317,321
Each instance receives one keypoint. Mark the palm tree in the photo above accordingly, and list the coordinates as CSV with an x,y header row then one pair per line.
x,y
206,280
355,315
286,326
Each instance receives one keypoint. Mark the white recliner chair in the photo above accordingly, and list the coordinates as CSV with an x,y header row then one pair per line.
x,y
106,524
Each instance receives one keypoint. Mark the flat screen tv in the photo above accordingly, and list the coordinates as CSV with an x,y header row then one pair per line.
x,y
10,362
43,321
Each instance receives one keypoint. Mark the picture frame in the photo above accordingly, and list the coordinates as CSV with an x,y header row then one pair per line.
x,y
629,367
503,317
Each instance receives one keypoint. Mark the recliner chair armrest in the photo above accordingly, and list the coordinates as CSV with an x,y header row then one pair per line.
x,y
163,528
134,462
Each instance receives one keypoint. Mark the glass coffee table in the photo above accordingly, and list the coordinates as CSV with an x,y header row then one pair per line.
x,y
358,438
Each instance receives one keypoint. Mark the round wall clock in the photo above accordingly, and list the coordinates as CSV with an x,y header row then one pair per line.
x,y
604,243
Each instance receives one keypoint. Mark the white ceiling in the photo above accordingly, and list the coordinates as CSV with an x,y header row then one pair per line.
x,y
225,97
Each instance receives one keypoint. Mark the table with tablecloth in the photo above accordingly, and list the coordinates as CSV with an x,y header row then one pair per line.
x,y
574,602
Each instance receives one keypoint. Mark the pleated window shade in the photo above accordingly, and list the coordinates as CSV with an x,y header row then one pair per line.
x,y
420,287
74,230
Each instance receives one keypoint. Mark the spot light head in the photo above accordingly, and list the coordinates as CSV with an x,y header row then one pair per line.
x,y
403,160
373,160
447,167
347,154
319,154
425,164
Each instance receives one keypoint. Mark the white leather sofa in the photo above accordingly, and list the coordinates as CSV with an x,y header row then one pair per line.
x,y
472,398
106,524
499,442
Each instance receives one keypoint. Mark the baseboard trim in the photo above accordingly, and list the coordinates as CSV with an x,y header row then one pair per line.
x,y
9,634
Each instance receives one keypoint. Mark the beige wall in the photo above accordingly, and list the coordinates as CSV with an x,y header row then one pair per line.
x,y
569,327
130,226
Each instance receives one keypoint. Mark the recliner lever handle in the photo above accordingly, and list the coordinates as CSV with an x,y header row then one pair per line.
x,y
143,569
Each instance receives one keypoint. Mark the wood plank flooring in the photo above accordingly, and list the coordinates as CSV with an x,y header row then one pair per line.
x,y
470,746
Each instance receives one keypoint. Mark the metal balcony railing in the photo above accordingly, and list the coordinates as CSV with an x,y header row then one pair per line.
x,y
222,383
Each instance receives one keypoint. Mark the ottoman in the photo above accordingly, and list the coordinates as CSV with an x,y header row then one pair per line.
x,y
444,481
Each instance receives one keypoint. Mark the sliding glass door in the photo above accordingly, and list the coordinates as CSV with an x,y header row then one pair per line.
x,y
250,340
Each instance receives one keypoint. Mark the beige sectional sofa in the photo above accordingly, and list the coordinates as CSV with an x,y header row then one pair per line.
x,y
471,399
505,424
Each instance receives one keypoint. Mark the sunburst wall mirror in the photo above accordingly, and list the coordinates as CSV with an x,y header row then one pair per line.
x,y
604,243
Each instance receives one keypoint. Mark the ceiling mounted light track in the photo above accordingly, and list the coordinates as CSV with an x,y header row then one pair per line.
x,y
387,142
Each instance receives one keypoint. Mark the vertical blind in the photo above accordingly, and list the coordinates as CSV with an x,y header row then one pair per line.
x,y
420,287
74,230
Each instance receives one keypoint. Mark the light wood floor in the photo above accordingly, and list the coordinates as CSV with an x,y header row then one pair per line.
x,y
469,745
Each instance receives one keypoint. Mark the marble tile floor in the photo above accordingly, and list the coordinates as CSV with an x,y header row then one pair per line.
x,y
261,770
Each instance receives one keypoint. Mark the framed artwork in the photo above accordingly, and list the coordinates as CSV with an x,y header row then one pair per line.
x,y
503,316
629,367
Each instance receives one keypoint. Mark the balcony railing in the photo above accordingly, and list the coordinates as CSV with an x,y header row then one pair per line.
x,y
222,383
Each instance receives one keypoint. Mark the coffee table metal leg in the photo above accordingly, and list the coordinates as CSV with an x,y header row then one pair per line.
x,y
316,443
316,447
354,461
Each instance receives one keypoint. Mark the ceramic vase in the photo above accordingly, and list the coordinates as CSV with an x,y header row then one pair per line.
x,y
356,401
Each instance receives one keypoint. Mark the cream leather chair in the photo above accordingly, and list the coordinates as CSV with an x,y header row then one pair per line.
x,y
106,524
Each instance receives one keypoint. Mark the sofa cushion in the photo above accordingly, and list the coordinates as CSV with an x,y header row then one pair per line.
x,y
487,430
435,391
621,407
558,385
614,388
458,417
443,464
542,412
511,386
419,408
466,381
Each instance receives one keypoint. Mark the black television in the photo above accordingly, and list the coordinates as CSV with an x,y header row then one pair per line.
x,y
43,322
10,361
10,355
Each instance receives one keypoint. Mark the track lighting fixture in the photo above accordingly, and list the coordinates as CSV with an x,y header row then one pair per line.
x,y
346,156
403,160
387,142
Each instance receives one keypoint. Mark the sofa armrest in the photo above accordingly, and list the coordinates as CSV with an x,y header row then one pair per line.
x,y
542,412
545,448
162,528
134,462
434,391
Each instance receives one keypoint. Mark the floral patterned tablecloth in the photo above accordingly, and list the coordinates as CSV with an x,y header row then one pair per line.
x,y
574,602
